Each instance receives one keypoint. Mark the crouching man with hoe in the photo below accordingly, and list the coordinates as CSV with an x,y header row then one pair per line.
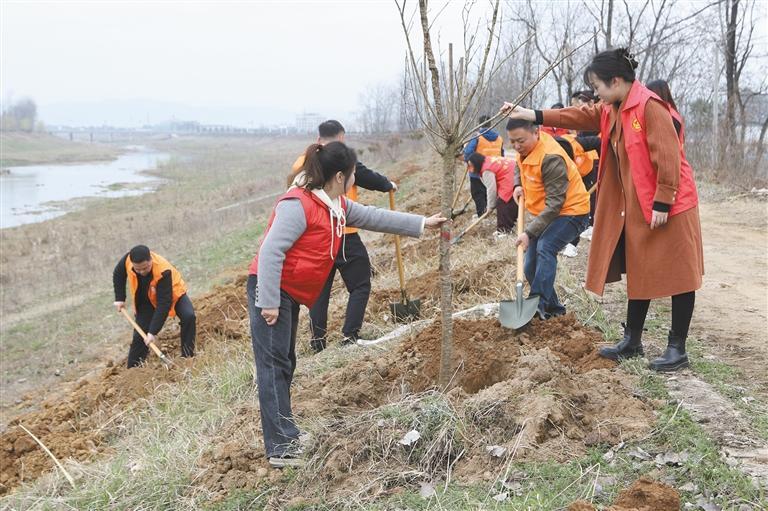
x,y
304,235
555,195
158,291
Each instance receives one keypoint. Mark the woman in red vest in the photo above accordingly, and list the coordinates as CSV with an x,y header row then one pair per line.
x,y
498,176
647,217
303,237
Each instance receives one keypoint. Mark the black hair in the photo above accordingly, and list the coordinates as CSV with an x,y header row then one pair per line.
x,y
567,147
661,88
322,162
139,254
584,95
557,106
476,160
610,64
330,129
485,121
513,124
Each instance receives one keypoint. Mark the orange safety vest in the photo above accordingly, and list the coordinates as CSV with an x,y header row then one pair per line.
x,y
159,265
584,160
488,148
351,194
576,197
644,175
309,261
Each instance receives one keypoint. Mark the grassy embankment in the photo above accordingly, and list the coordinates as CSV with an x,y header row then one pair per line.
x,y
56,275
165,440
18,148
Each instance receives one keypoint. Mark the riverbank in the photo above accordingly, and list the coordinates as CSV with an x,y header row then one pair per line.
x,y
19,148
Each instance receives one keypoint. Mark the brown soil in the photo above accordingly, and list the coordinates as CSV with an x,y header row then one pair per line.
x,y
543,390
644,495
76,422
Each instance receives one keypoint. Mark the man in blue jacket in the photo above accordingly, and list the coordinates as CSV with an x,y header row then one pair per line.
x,y
488,143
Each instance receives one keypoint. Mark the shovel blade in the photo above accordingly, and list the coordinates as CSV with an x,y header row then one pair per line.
x,y
517,313
410,310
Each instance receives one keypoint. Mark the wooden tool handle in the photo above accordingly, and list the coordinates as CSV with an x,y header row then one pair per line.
x,y
398,253
474,223
520,230
142,334
592,189
458,190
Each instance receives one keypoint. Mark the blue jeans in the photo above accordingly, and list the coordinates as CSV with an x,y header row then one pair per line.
x,y
541,260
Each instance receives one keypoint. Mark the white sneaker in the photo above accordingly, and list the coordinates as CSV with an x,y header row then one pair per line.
x,y
498,234
587,234
570,251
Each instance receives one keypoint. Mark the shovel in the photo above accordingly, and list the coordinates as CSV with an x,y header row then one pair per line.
x,y
471,226
407,309
458,213
517,313
166,360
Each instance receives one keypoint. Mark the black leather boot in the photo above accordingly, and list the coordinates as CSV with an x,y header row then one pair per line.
x,y
629,347
674,356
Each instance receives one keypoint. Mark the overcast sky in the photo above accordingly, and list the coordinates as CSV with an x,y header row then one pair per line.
x,y
87,62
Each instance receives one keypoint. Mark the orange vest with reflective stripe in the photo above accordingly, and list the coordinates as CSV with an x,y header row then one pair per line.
x,y
584,160
159,265
351,193
576,197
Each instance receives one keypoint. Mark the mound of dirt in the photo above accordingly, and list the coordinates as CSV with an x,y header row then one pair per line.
x,y
644,495
224,312
74,426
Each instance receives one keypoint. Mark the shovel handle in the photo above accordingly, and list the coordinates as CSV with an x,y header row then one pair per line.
x,y
520,230
458,190
398,252
471,226
592,189
143,335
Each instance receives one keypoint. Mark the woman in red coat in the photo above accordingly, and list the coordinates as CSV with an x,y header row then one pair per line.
x,y
647,217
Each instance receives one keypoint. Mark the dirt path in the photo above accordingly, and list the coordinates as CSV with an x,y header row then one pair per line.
x,y
731,316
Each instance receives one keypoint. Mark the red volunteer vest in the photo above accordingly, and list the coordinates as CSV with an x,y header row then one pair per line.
x,y
644,175
504,170
308,262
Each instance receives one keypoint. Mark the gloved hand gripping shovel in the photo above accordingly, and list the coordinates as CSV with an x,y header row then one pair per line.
x,y
517,313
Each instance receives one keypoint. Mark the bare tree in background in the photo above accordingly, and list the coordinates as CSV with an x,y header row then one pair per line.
x,y
451,94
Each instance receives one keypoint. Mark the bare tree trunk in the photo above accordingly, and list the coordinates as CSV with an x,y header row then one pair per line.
x,y
609,25
446,280
731,84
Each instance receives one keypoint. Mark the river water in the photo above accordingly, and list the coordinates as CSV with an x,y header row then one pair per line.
x,y
40,192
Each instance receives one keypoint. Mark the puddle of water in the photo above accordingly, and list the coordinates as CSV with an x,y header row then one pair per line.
x,y
40,192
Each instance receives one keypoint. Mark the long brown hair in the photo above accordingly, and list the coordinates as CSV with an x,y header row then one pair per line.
x,y
322,162
661,88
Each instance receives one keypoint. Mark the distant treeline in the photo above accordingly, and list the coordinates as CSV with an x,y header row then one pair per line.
x,y
20,115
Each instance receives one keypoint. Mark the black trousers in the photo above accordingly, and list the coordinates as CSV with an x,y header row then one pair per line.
x,y
186,314
356,273
479,195
506,215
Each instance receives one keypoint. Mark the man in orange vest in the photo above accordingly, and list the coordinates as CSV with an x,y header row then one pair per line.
x,y
352,262
555,195
488,143
158,291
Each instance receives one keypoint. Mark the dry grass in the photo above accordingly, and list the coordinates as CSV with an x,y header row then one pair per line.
x,y
19,148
